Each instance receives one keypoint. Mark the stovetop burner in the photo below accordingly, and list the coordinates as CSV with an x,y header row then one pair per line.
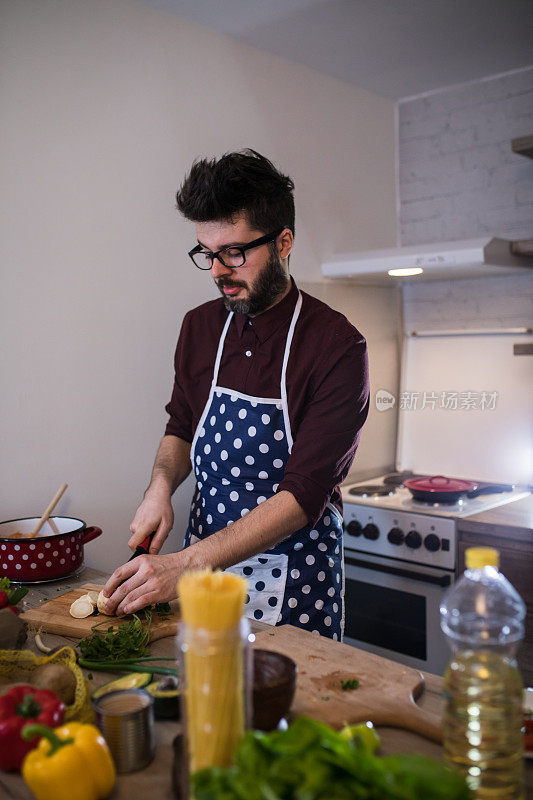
x,y
372,490
379,493
397,478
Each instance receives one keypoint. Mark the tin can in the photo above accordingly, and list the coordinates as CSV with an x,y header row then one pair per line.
x,y
126,721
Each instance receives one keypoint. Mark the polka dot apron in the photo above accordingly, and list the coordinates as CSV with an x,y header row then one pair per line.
x,y
238,454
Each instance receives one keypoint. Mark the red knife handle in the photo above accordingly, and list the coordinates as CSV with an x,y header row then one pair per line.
x,y
143,548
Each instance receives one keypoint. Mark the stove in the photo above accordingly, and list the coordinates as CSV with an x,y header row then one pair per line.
x,y
400,557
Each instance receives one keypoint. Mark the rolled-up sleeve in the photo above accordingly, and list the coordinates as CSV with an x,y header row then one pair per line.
x,y
328,433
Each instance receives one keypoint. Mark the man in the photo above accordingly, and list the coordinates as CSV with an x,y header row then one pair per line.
x,y
270,394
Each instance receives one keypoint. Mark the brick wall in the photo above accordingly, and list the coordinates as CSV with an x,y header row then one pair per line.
x,y
459,179
488,303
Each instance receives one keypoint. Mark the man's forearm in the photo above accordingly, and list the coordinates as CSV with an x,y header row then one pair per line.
x,y
172,464
261,528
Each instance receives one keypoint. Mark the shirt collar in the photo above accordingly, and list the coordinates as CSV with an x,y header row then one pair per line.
x,y
269,321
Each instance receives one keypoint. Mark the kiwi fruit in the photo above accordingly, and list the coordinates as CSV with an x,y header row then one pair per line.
x,y
56,678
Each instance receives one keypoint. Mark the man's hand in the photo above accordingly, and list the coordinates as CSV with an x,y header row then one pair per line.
x,y
171,466
154,514
143,581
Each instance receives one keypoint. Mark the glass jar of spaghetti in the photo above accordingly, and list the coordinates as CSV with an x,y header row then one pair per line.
x,y
215,668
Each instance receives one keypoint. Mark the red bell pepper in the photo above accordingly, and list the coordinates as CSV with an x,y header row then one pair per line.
x,y
21,706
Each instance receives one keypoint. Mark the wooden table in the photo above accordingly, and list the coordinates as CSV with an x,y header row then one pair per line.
x,y
155,780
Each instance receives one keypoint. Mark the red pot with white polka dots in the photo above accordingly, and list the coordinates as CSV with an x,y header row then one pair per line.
x,y
49,555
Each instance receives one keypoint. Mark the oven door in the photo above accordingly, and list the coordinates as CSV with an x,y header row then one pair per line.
x,y
392,609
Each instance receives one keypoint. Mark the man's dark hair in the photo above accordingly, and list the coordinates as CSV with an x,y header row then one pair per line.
x,y
218,190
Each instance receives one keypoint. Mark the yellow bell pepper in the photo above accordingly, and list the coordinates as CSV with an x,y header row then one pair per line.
x,y
72,762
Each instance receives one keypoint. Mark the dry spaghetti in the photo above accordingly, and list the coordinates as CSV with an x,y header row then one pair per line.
x,y
212,605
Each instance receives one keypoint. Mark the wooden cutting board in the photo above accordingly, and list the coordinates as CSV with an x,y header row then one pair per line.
x,y
54,616
387,691
386,694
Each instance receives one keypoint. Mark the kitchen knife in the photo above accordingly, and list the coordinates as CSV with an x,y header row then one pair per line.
x,y
143,548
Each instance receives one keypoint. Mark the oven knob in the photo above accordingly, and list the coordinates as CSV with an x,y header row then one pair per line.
x,y
371,531
413,540
354,528
432,543
396,536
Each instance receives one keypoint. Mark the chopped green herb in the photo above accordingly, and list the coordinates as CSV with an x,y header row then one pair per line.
x,y
351,683
129,641
90,676
325,698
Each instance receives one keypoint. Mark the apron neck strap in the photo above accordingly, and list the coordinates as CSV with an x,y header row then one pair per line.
x,y
220,349
290,334
285,405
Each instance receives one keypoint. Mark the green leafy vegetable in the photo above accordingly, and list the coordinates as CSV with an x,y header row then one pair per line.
x,y
14,595
351,683
310,761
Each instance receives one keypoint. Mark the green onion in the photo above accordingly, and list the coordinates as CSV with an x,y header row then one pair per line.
x,y
125,666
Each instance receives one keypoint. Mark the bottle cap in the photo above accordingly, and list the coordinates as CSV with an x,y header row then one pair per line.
x,y
479,557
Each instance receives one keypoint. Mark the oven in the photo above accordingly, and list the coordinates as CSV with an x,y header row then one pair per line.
x,y
398,565
392,609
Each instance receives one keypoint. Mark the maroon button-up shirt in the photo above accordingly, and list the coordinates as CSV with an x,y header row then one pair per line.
x,y
327,385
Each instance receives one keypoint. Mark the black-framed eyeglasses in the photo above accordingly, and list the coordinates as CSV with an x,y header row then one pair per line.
x,y
234,256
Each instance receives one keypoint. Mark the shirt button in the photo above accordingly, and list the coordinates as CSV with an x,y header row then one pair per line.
x,y
248,353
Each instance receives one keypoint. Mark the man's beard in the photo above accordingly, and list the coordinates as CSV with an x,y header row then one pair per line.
x,y
264,292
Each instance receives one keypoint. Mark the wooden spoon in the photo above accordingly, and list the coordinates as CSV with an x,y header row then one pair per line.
x,y
58,495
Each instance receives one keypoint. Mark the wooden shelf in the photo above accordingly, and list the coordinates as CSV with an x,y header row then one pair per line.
x,y
522,247
523,146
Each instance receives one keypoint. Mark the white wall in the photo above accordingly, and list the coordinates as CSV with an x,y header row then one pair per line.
x,y
104,105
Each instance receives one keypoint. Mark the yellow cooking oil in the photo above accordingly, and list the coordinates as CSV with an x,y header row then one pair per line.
x,y
482,723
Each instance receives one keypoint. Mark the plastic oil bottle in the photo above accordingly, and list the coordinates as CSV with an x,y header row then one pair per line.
x,y
482,617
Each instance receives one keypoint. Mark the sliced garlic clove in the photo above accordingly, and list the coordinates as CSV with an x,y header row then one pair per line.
x,y
87,598
81,608
102,603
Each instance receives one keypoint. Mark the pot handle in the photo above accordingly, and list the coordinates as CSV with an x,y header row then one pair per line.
x,y
440,479
91,533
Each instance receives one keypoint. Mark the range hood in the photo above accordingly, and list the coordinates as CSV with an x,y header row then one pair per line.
x,y
472,258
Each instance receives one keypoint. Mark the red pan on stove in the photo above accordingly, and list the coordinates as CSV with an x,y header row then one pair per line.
x,y
439,489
